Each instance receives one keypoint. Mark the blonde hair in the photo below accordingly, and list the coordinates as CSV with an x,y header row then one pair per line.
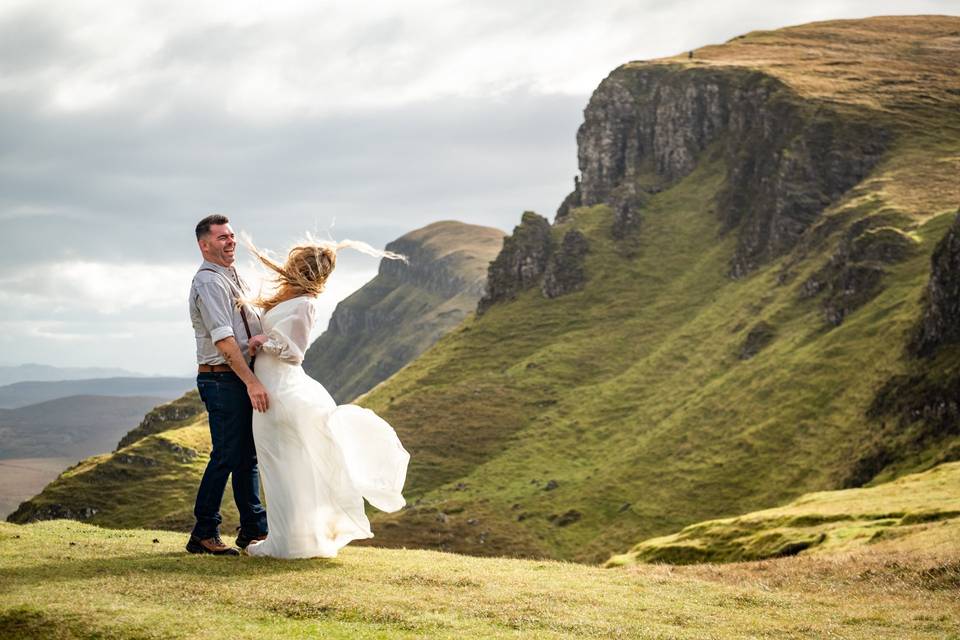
x,y
307,267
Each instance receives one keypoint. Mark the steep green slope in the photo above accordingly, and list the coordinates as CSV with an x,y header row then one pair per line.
x,y
401,312
919,511
724,349
71,580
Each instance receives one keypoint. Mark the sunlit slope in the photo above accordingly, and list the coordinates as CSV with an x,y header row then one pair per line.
x,y
631,394
665,392
70,580
916,511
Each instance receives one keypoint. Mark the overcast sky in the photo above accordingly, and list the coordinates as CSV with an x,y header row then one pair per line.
x,y
123,123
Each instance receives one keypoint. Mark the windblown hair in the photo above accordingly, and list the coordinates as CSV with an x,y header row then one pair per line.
x,y
307,267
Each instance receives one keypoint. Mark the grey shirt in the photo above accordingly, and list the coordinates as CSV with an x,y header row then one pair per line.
x,y
214,313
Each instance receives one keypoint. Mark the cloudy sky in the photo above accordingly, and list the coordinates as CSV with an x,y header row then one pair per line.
x,y
123,123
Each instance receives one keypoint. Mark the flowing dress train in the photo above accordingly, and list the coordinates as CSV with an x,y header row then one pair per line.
x,y
318,461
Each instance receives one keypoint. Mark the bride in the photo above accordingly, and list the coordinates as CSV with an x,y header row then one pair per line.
x,y
318,461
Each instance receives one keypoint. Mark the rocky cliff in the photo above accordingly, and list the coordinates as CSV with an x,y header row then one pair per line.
x,y
711,322
647,126
405,308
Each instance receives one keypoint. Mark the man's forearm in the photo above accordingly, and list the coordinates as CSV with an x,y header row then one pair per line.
x,y
230,350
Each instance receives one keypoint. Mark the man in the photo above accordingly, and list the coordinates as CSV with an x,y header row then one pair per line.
x,y
229,390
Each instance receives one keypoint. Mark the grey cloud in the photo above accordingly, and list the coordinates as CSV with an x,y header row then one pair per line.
x,y
119,186
32,40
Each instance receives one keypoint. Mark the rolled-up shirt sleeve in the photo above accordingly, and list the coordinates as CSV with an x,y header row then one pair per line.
x,y
216,310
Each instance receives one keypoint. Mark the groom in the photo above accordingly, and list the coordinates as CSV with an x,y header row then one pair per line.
x,y
229,390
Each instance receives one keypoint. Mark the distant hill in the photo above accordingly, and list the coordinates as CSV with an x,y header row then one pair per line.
x,y
74,427
21,394
406,308
42,372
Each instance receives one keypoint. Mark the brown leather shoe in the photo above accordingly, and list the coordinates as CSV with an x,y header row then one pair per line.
x,y
213,546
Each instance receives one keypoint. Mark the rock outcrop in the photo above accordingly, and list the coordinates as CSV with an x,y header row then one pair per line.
x,y
405,309
853,274
757,338
565,271
921,407
166,416
521,262
940,323
647,126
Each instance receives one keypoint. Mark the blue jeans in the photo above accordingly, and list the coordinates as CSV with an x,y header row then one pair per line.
x,y
233,454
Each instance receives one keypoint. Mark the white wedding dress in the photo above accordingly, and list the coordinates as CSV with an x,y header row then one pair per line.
x,y
318,461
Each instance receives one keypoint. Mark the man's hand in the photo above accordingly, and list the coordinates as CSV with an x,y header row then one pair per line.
x,y
234,357
258,396
255,343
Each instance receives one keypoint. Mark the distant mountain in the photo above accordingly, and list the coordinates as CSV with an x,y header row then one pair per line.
x,y
21,394
406,308
22,372
74,427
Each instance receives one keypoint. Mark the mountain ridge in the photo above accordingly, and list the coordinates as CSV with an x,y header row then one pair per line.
x,y
405,308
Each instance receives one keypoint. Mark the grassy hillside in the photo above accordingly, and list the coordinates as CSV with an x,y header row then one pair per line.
x,y
665,393
634,396
149,483
69,580
631,396
919,511
405,309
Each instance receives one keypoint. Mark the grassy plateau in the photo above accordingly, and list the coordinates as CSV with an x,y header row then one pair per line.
x,y
66,580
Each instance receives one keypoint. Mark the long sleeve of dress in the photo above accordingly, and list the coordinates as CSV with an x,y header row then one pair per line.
x,y
290,337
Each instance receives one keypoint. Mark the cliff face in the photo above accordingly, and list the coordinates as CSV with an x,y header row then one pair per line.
x,y
940,323
165,417
646,127
708,325
405,308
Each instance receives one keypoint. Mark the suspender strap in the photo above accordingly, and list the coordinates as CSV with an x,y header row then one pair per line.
x,y
243,312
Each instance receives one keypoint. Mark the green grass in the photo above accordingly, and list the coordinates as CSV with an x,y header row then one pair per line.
x,y
630,394
67,580
920,511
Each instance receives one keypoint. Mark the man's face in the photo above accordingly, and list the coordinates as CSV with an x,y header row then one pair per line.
x,y
219,245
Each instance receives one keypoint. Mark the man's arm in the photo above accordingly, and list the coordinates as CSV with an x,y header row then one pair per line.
x,y
230,350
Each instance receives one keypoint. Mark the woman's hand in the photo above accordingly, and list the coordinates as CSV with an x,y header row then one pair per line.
x,y
255,343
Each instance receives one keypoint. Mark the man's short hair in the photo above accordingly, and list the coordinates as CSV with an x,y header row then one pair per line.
x,y
203,227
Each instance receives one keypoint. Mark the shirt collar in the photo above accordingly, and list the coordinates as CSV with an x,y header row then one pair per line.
x,y
227,271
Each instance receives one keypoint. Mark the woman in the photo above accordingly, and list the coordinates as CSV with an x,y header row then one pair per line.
x,y
318,461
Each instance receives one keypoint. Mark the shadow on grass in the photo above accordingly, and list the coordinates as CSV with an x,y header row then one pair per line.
x,y
29,623
171,563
